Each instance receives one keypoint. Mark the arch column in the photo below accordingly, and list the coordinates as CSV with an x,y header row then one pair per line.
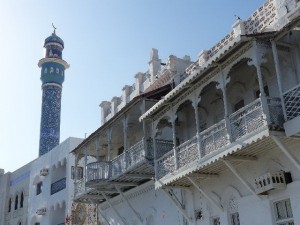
x,y
173,118
108,132
278,76
154,148
223,81
195,103
97,143
258,59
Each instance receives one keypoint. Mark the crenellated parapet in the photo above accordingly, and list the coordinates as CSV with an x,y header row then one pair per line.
x,y
158,75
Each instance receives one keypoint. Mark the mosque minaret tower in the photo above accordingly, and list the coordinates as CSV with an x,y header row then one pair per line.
x,y
52,76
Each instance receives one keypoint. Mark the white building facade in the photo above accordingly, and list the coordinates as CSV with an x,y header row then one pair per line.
x,y
219,147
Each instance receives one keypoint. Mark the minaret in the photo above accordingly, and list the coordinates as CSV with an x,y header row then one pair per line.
x,y
52,77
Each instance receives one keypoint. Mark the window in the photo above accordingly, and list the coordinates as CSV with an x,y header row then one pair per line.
x,y
235,218
240,104
22,200
16,202
266,90
283,212
216,221
9,205
79,173
39,188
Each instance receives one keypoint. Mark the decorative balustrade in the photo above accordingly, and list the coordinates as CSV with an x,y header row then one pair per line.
x,y
242,122
166,164
162,147
292,102
188,152
270,181
58,186
79,187
247,119
213,138
275,111
98,171
135,154
118,165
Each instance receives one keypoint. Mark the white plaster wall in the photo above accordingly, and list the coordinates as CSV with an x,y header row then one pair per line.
x,y
153,206
59,161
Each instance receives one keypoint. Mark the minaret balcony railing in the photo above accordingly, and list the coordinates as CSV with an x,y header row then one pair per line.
x,y
58,186
292,102
248,120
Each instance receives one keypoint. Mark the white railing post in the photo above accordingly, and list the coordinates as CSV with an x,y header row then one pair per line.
x,y
174,139
195,105
278,76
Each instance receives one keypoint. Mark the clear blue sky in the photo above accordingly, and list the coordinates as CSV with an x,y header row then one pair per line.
x,y
106,44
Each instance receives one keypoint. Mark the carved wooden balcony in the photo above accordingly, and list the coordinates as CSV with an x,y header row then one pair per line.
x,y
98,172
261,114
270,181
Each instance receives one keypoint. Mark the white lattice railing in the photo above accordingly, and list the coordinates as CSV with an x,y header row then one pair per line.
x,y
166,164
292,102
118,165
135,154
98,171
247,120
275,111
270,181
79,187
188,152
213,138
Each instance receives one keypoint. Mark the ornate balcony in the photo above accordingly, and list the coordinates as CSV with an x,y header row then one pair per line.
x,y
244,123
270,181
137,160
100,171
58,186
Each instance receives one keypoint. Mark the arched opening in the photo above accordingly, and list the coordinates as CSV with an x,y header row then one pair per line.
x,y
22,200
9,205
185,125
16,202
213,133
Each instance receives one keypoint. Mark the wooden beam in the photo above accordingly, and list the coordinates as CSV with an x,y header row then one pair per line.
x,y
287,153
241,158
211,200
144,176
178,206
116,211
203,175
130,206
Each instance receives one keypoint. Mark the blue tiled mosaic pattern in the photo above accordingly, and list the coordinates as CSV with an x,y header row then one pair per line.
x,y
50,120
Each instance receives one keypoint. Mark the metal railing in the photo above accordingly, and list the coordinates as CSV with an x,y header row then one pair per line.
x,y
188,152
58,186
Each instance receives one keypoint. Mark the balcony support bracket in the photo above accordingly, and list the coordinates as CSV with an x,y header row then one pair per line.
x,y
178,205
130,206
285,151
211,200
236,173
103,216
115,210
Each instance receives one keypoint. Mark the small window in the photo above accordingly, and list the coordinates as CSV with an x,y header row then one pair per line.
x,y
235,218
266,90
39,188
9,205
79,173
16,202
216,221
22,200
239,105
283,212
120,150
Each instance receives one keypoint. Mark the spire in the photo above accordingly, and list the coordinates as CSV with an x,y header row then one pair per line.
x,y
54,28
